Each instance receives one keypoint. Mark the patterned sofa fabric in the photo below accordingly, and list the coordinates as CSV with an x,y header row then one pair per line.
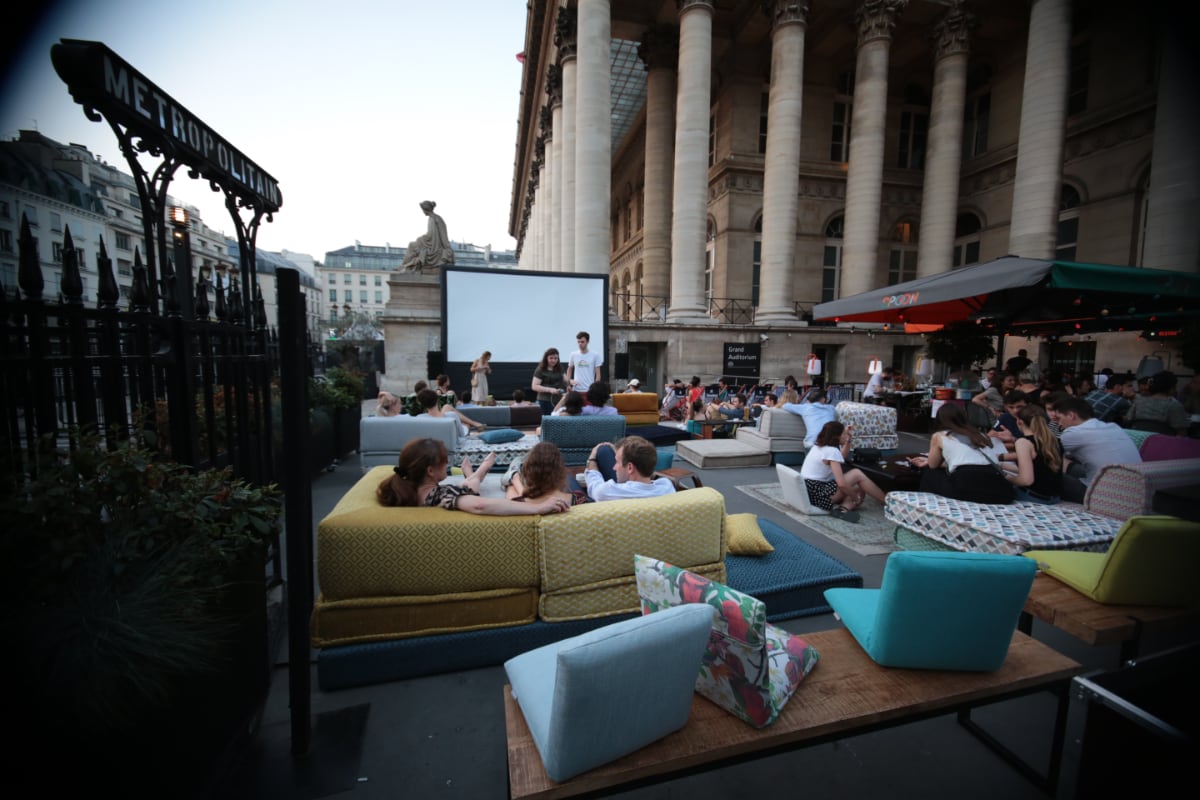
x,y
638,408
382,438
1125,490
874,425
586,556
1011,529
576,436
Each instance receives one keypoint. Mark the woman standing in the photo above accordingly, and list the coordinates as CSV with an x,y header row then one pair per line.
x,y
549,380
480,369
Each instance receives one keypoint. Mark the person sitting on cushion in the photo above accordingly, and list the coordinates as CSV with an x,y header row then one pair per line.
x,y
963,463
624,470
816,410
417,481
429,406
830,486
1006,429
597,397
1038,457
540,476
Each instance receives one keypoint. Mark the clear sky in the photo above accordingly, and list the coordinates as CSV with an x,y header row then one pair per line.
x,y
360,109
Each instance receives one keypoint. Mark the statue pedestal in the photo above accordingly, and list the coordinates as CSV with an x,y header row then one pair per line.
x,y
412,324
415,296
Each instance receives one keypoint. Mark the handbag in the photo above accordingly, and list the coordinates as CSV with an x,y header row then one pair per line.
x,y
474,380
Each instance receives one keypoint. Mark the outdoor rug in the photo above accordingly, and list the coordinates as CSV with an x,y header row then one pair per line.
x,y
872,535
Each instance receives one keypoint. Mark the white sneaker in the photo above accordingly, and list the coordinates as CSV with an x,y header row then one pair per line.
x,y
507,478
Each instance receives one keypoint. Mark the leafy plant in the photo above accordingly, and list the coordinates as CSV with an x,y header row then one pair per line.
x,y
338,388
960,345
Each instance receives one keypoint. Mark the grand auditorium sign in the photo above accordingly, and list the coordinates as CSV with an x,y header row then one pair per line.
x,y
101,81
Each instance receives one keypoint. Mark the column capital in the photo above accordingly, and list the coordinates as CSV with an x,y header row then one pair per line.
x,y
554,85
688,5
952,33
876,18
785,12
659,48
565,27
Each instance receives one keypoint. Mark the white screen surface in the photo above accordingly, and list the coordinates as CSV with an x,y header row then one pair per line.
x,y
518,314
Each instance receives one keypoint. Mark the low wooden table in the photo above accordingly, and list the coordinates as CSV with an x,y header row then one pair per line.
x,y
893,474
707,426
677,476
846,695
1057,604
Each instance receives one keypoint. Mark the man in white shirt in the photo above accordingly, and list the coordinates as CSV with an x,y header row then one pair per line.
x,y
584,365
624,470
875,384
816,411
1088,445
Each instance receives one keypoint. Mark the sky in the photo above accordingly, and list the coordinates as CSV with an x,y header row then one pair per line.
x,y
360,109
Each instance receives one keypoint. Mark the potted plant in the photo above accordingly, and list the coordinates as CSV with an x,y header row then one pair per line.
x,y
135,613
960,346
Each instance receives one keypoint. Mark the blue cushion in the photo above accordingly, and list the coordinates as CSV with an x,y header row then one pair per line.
x,y
501,436
938,610
593,698
666,457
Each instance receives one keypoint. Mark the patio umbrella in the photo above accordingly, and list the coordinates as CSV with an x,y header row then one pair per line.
x,y
1028,294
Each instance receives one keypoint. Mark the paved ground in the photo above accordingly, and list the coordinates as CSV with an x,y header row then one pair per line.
x,y
443,736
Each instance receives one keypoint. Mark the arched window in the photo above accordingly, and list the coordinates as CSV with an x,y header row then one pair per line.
x,y
831,268
1068,223
966,240
902,254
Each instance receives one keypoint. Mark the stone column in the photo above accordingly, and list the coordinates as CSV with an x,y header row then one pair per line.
x,y
864,182
690,193
564,38
554,90
781,169
1034,229
943,150
1172,235
659,51
593,138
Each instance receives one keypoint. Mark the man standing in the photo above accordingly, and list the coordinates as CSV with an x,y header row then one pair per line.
x,y
816,411
1109,404
874,388
584,365
624,470
1088,445
1018,363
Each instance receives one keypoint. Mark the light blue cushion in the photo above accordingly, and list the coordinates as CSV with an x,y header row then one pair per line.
x,y
938,610
501,436
593,698
666,457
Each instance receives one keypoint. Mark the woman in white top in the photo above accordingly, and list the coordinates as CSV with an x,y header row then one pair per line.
x,y
964,463
829,486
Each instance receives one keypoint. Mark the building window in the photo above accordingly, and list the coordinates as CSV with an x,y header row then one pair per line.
x,y
831,267
1068,223
124,267
756,262
133,199
55,221
379,280
123,241
347,279
966,240
8,274
839,148
379,297
57,252
31,215
710,261
712,138
362,296
333,295
763,102
1080,71
5,211
914,128
977,112
902,256
333,314
332,278
6,241
362,280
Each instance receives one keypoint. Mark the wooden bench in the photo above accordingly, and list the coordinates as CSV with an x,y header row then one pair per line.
x,y
846,695
1057,604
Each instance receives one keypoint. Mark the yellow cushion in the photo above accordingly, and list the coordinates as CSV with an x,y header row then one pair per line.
x,y
745,537
1152,562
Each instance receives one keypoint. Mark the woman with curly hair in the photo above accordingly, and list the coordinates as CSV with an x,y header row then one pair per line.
x,y
417,481
540,476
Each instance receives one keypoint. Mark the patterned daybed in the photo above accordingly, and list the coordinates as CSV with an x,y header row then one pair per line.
x,y
931,522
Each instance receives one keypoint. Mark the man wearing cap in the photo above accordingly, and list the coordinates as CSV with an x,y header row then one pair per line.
x,y
634,386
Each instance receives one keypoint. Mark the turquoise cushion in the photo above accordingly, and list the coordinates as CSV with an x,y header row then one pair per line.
x,y
501,436
939,610
666,457
593,698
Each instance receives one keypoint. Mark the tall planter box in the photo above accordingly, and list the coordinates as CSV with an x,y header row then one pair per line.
x,y
346,430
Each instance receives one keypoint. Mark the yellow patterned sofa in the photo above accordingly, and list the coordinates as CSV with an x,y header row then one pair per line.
x,y
396,573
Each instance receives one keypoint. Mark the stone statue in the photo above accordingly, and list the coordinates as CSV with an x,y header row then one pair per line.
x,y
431,250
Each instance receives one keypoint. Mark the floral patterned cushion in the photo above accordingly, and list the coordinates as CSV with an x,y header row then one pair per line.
x,y
750,667
874,426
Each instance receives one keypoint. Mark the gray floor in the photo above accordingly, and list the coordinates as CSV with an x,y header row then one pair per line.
x,y
443,736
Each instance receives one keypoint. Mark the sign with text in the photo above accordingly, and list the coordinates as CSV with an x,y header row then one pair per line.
x,y
743,360
101,81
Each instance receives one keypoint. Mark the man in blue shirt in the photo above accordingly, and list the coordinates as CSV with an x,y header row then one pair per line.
x,y
1110,404
816,411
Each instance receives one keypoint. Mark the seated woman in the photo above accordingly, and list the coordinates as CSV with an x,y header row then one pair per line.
x,y
389,405
445,392
698,412
518,399
542,476
571,405
963,462
829,485
417,481
1038,457
428,400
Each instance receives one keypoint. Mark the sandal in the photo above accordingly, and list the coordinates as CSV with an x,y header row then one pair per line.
x,y
513,468
845,514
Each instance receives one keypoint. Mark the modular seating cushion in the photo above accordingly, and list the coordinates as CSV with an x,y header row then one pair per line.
x,y
1124,490
874,425
778,432
638,408
576,436
721,453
